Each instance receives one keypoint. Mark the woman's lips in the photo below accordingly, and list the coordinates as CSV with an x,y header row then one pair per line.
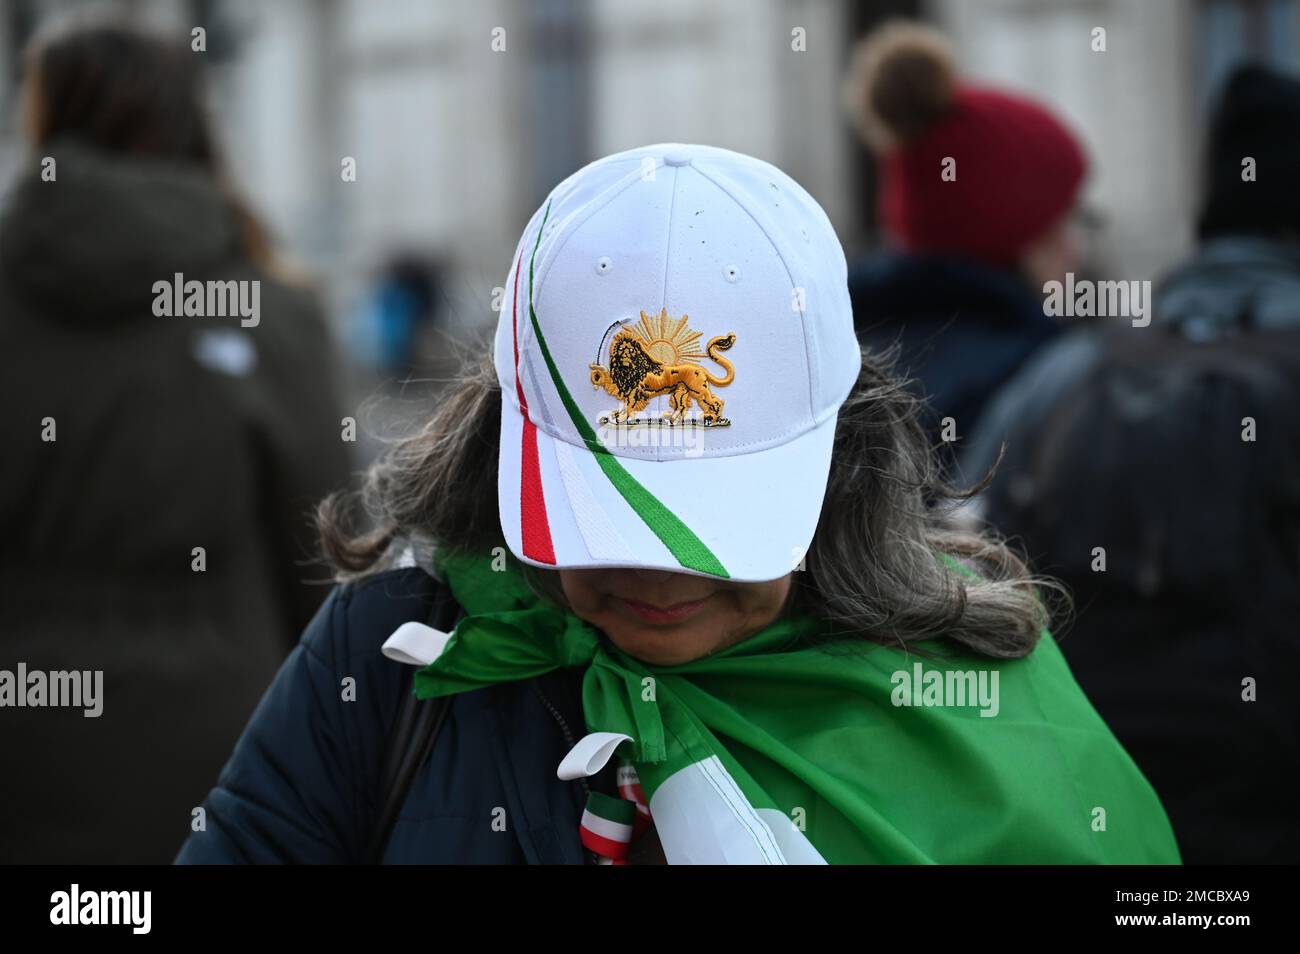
x,y
663,615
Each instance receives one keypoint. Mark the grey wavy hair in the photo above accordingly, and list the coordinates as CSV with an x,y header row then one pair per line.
x,y
873,567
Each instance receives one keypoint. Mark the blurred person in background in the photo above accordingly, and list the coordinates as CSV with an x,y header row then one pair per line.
x,y
399,311
1176,449
132,440
976,193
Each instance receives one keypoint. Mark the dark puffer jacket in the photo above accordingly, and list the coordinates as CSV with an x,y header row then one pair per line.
x,y
1165,637
963,328
303,785
171,434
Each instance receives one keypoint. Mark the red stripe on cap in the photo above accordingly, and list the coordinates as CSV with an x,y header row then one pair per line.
x,y
532,503
514,329
534,528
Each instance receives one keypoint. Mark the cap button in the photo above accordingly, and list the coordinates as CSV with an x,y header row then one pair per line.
x,y
677,158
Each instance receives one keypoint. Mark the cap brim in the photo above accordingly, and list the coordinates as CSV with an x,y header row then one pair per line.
x,y
746,517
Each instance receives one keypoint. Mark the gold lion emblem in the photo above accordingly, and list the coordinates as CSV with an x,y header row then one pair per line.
x,y
659,356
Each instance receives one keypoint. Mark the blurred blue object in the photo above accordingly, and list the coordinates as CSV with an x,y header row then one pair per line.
x,y
394,315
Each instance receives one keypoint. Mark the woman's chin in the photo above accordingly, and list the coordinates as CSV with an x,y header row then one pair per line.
x,y
660,645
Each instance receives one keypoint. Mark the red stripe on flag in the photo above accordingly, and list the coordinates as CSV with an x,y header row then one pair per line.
x,y
534,528
602,846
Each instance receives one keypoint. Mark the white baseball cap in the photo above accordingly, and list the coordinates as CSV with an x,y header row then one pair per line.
x,y
674,345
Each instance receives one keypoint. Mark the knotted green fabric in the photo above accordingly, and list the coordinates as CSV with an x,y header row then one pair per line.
x,y
856,743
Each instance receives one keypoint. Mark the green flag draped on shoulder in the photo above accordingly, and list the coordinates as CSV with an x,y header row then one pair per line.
x,y
777,751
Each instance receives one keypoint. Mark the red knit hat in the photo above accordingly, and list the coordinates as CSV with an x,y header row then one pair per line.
x,y
1016,169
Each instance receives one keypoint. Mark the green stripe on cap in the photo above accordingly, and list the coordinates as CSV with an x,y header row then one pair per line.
x,y
682,543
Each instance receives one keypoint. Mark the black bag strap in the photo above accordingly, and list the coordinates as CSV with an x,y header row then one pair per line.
x,y
414,731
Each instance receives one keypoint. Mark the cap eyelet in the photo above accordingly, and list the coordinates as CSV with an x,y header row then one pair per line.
x,y
731,273
604,265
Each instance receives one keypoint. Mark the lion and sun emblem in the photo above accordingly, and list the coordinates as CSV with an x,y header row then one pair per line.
x,y
657,357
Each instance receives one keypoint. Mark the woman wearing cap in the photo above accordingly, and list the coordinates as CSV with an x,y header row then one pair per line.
x,y
667,563
976,190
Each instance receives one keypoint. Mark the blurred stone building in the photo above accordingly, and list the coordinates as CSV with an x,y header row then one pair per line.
x,y
1141,105
459,116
